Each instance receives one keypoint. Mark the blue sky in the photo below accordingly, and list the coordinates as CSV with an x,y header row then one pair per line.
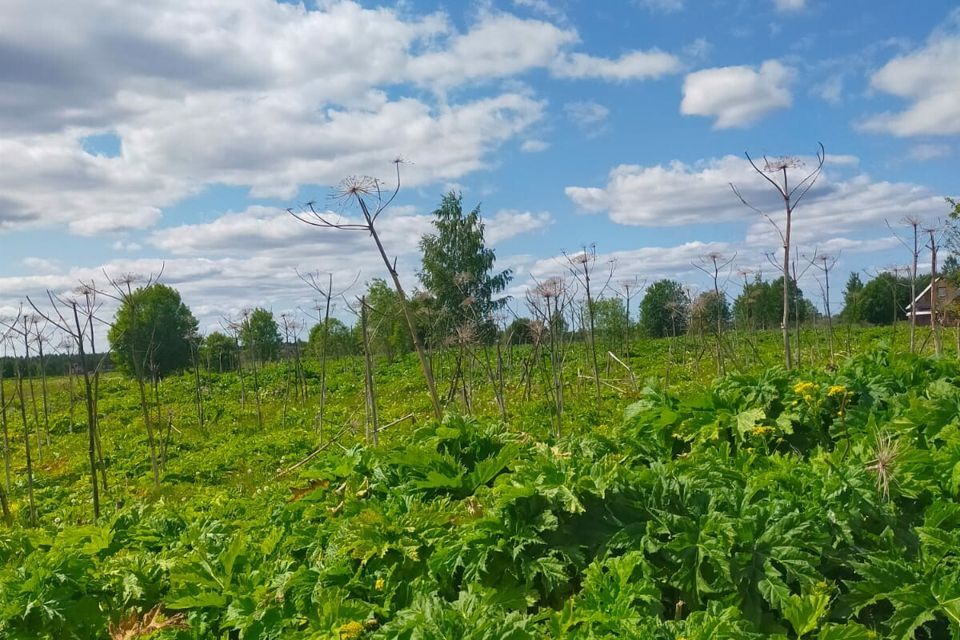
x,y
175,134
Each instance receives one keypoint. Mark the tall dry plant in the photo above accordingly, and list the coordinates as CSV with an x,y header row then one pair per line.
x,y
372,197
791,197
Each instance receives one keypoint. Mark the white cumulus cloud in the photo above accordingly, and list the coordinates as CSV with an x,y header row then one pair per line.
x,y
258,94
844,201
635,65
929,79
737,96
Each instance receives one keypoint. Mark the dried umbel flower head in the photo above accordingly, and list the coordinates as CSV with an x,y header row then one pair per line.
x,y
466,334
581,258
777,164
128,279
886,452
549,288
537,329
85,290
356,187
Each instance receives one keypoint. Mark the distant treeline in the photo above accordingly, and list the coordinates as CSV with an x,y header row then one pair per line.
x,y
54,365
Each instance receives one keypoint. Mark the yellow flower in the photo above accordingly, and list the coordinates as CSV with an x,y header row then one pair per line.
x,y
350,630
836,390
379,584
804,388
761,430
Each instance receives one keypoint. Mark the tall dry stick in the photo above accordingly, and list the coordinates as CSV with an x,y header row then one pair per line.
x,y
712,264
934,237
312,280
359,190
581,265
72,326
122,291
791,197
914,223
825,263
373,422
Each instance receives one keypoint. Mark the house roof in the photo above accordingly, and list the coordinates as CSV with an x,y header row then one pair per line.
x,y
925,295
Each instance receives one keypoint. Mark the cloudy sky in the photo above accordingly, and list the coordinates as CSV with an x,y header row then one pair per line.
x,y
177,132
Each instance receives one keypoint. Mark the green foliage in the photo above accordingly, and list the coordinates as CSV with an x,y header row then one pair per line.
x,y
950,269
389,333
852,299
953,229
219,352
519,331
708,312
338,340
882,299
760,304
260,335
663,310
152,332
457,268
610,320
747,508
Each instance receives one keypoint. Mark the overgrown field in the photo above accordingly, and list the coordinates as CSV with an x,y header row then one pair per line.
x,y
818,504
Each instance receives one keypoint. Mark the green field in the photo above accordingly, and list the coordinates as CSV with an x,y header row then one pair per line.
x,y
820,503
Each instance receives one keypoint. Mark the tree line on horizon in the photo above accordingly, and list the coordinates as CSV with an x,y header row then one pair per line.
x,y
667,309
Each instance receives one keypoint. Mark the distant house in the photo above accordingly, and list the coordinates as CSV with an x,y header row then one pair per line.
x,y
946,294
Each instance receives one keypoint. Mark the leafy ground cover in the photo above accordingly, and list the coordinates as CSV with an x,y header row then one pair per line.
x,y
819,504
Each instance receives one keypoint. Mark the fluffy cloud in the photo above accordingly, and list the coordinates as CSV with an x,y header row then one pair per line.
x,y
50,179
250,258
682,194
737,96
857,207
100,68
928,151
635,65
648,263
671,195
258,94
271,145
497,46
929,78
42,265
509,223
